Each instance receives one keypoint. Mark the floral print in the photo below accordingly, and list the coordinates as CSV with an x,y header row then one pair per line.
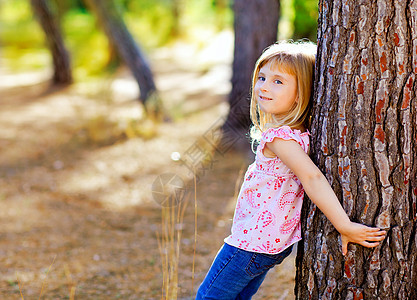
x,y
267,214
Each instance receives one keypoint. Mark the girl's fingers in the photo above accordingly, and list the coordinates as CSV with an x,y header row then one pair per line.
x,y
376,231
383,233
379,231
344,247
375,238
372,229
369,244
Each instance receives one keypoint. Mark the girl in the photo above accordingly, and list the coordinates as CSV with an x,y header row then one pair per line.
x,y
267,216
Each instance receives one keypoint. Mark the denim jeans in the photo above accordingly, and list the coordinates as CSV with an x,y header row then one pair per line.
x,y
237,274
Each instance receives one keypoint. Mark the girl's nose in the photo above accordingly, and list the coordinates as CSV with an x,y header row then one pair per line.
x,y
264,87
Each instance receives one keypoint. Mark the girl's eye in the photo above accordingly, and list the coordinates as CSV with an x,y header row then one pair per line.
x,y
261,78
278,81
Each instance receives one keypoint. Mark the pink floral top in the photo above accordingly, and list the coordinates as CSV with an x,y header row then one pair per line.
x,y
267,214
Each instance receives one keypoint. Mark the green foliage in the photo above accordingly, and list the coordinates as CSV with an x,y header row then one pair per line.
x,y
156,23
18,18
305,22
21,38
81,36
206,13
152,23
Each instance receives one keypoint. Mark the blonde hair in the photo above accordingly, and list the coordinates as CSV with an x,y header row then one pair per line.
x,y
294,58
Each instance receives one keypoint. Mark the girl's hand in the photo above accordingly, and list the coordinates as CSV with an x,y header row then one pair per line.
x,y
363,235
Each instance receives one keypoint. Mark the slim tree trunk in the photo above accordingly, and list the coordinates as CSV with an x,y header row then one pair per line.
x,y
128,49
256,27
364,138
60,57
176,8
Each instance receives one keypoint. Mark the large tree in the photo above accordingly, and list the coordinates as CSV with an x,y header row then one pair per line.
x,y
364,138
60,56
116,30
256,27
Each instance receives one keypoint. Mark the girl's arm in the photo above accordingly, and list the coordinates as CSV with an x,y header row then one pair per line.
x,y
320,192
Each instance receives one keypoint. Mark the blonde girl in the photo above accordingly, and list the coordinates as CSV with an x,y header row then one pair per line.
x,y
266,222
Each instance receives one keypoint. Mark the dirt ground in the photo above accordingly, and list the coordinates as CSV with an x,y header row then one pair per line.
x,y
77,166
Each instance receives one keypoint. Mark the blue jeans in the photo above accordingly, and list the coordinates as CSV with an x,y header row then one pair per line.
x,y
237,274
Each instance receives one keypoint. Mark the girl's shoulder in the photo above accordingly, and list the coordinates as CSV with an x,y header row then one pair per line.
x,y
284,132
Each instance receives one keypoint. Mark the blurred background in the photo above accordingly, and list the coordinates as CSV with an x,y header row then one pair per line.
x,y
110,108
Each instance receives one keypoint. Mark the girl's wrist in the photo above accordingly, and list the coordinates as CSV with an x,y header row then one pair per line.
x,y
345,226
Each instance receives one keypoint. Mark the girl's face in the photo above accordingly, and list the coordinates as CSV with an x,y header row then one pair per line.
x,y
275,91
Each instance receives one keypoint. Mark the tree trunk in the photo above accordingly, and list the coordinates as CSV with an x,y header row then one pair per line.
x,y
256,27
364,138
123,42
60,57
176,8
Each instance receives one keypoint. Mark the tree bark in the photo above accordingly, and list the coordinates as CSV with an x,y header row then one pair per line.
x,y
123,42
60,57
256,27
364,138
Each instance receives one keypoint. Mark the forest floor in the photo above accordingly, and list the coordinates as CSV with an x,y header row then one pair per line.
x,y
77,167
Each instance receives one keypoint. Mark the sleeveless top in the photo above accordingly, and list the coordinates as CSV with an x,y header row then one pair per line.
x,y
268,208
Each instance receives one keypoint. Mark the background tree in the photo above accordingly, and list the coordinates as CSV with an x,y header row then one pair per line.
x,y
176,8
60,57
365,141
112,21
256,27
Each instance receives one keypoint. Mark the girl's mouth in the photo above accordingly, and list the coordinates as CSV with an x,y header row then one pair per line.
x,y
264,98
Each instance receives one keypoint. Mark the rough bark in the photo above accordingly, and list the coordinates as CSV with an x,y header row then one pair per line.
x,y
256,27
60,56
364,138
123,42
